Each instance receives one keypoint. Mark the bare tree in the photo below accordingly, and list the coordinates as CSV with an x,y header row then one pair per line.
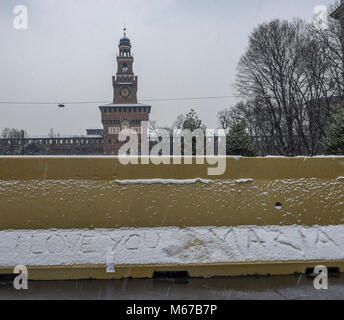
x,y
13,133
52,134
178,123
286,75
5,133
224,118
255,115
332,40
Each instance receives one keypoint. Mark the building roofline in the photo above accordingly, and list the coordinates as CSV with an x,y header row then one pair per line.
x,y
59,137
124,105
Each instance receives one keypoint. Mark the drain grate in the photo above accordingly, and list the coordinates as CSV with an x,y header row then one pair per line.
x,y
171,275
7,277
332,272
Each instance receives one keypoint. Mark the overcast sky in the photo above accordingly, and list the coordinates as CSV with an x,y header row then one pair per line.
x,y
182,48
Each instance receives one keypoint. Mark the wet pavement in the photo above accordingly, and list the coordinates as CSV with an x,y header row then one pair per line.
x,y
297,287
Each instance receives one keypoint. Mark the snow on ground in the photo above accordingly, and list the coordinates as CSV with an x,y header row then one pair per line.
x,y
244,180
170,245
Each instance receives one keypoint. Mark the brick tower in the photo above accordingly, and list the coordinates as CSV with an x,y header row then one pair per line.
x,y
125,111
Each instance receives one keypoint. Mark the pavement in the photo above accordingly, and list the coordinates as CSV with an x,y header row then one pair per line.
x,y
296,287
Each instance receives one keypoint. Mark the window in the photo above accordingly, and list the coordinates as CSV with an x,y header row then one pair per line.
x,y
125,68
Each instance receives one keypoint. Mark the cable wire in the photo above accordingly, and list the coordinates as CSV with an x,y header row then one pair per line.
x,y
101,102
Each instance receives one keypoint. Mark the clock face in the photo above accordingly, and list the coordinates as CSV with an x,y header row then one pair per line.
x,y
125,92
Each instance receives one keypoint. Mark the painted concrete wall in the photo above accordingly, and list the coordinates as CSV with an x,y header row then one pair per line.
x,y
42,193
282,213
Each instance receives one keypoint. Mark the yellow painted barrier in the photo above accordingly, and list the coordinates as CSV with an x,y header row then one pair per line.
x,y
99,193
82,272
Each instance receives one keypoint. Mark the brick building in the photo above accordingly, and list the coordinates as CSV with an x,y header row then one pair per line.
x,y
45,145
125,112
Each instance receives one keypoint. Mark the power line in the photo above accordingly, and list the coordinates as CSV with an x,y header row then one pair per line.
x,y
197,98
102,102
50,103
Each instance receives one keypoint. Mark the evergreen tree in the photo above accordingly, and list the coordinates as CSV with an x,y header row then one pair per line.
x,y
334,144
192,122
239,141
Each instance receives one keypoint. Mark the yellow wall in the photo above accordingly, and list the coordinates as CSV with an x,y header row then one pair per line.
x,y
109,168
78,193
71,193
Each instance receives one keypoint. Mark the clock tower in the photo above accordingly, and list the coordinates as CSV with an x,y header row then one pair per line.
x,y
125,82
125,112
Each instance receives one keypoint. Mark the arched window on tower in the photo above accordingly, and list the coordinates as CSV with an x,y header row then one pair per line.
x,y
124,68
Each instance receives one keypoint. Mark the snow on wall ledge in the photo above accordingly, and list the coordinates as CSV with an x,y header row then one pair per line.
x,y
170,245
163,181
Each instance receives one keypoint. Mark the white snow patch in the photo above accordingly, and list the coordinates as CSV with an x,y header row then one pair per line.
x,y
244,180
164,181
134,246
